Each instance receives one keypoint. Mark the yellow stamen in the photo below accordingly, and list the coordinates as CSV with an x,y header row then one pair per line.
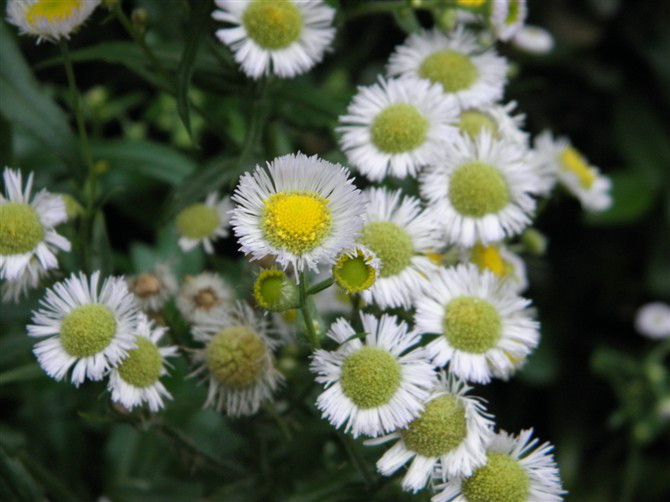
x,y
574,162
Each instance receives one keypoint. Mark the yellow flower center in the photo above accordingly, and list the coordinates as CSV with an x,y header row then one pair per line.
x,y
472,324
473,123
20,228
198,221
513,12
489,257
273,24
440,428
502,479
296,221
452,69
143,365
87,330
573,161
477,189
470,3
399,128
236,357
370,377
54,11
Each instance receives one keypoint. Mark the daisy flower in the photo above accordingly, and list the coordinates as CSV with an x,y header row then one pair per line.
x,y
507,17
153,290
375,385
27,228
203,296
516,470
90,329
450,435
497,120
399,232
456,61
533,39
484,327
396,126
356,269
136,379
574,172
500,261
49,19
301,210
236,360
31,279
481,190
653,320
204,223
284,37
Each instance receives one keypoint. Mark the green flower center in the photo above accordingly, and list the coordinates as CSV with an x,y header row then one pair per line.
x,y
452,69
477,189
143,365
198,221
297,221
471,324
399,128
87,330
274,291
391,244
440,428
370,377
502,479
513,12
473,123
236,357
273,24
354,274
20,228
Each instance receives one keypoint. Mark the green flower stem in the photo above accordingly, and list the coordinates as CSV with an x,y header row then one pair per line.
x,y
356,458
317,288
356,312
306,314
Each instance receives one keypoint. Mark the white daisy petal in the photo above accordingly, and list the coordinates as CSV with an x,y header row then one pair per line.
x,y
203,297
653,320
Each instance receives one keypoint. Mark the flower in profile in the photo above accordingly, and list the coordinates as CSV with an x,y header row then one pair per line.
x,y
516,470
450,435
236,360
31,279
301,210
90,329
497,120
49,19
653,320
284,37
356,269
481,190
136,379
474,76
203,297
397,126
153,289
573,171
484,327
376,384
203,223
399,231
28,239
500,261
507,17
533,39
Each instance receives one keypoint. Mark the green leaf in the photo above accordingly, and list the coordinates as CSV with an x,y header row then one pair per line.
x,y
23,103
407,21
16,483
25,373
632,200
146,158
198,24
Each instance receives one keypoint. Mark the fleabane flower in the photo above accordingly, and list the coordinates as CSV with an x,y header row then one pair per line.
x,y
301,210
376,384
136,380
450,435
284,37
574,172
203,297
90,329
653,320
356,269
153,289
516,470
533,39
204,223
399,231
456,61
497,120
481,189
49,19
13,290
396,126
28,239
484,328
507,17
500,261
236,361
